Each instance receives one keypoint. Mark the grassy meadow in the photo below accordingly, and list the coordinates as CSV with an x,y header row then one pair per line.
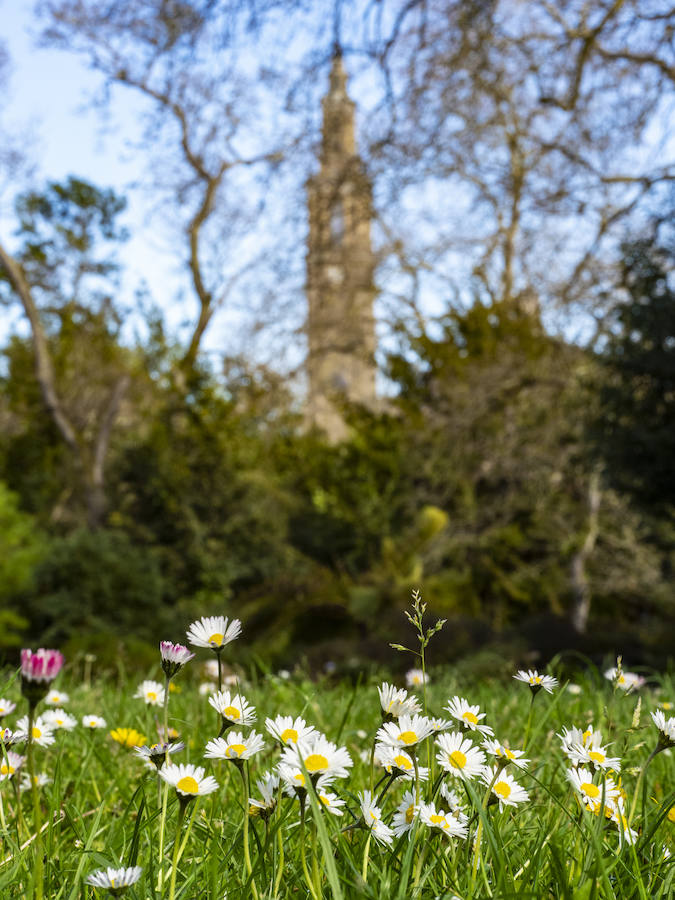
x,y
430,834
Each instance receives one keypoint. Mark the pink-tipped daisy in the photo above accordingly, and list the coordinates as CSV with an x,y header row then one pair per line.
x,y
174,657
38,670
213,632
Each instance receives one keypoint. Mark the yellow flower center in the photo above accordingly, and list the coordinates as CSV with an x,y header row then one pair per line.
x,y
300,778
591,790
457,759
621,679
231,712
6,769
216,639
324,800
502,789
408,737
437,820
289,734
372,815
188,785
508,754
536,679
402,762
596,756
586,736
315,762
112,882
470,717
152,695
36,732
235,750
409,814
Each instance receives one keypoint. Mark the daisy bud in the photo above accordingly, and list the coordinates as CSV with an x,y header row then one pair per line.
x,y
174,657
38,670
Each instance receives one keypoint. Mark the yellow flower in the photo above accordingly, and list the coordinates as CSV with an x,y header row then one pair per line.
x,y
128,737
174,688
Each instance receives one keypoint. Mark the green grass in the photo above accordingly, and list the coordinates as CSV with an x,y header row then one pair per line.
x,y
102,807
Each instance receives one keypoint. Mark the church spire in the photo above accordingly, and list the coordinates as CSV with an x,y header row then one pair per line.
x,y
340,266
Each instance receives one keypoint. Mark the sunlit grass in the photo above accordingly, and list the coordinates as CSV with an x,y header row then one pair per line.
x,y
104,807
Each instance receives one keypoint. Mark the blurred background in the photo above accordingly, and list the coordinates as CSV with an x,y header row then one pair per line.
x,y
306,305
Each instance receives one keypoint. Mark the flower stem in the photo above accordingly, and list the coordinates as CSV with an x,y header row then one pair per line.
x,y
38,879
247,856
162,827
182,806
303,858
366,856
639,783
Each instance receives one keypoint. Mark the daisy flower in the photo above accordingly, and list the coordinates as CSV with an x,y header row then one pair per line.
x,y
93,722
468,715
438,724
627,681
446,822
666,729
114,880
38,670
42,734
618,816
59,719
128,737
267,786
235,747
213,632
505,790
39,780
536,681
6,707
9,766
320,757
188,780
396,702
174,657
287,730
396,761
406,732
591,793
152,692
458,756
56,698
416,678
331,802
9,737
593,755
404,817
234,710
372,819
455,803
158,754
505,755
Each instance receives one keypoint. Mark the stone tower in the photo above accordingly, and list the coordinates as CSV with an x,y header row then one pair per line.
x,y
340,266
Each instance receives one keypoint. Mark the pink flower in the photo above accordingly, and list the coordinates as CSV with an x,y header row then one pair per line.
x,y
43,665
174,657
